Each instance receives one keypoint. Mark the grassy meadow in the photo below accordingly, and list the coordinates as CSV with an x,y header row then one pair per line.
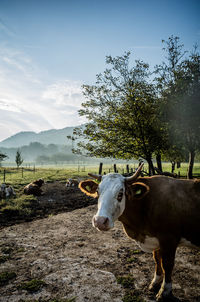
x,y
22,176
23,205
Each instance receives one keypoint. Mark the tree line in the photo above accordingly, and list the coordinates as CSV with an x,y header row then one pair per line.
x,y
133,112
42,154
36,151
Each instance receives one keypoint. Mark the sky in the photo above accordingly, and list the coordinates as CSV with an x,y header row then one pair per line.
x,y
50,48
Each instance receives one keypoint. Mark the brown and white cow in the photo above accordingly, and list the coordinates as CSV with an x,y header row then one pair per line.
x,y
159,213
34,188
6,191
71,182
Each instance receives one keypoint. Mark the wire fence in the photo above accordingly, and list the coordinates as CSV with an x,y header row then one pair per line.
x,y
7,172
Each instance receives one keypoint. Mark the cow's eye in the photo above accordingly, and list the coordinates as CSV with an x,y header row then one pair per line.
x,y
120,195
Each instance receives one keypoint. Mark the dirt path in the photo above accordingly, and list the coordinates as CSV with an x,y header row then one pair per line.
x,y
75,260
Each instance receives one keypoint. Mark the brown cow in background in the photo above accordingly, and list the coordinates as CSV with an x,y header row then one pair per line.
x,y
34,188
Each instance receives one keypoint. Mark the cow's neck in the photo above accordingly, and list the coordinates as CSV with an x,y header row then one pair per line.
x,y
133,218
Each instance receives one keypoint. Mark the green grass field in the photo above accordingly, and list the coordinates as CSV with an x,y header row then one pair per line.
x,y
21,205
24,176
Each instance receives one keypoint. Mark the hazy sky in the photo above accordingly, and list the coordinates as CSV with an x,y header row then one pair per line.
x,y
49,48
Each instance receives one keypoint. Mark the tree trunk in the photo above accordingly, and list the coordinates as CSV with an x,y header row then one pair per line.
x,y
151,167
159,162
173,166
191,164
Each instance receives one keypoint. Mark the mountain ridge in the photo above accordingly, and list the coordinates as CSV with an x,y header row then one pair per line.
x,y
51,136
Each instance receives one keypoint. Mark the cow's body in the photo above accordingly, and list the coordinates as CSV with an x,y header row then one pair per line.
x,y
72,183
159,212
34,188
170,208
6,191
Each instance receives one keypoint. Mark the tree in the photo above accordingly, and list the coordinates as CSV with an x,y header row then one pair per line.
x,y
2,157
122,111
18,159
43,159
190,114
175,155
179,84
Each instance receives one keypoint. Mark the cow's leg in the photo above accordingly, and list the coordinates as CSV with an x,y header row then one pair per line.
x,y
168,256
158,275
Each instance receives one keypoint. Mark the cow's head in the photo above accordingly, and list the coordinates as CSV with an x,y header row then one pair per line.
x,y
111,196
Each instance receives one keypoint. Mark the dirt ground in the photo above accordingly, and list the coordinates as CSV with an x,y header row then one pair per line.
x,y
76,261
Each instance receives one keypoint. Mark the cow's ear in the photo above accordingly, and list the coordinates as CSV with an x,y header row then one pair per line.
x,y
139,189
89,187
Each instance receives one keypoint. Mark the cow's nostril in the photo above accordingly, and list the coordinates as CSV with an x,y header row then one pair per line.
x,y
101,222
106,220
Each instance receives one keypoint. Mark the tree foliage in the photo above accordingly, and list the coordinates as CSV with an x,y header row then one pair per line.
x,y
131,117
18,159
122,110
2,157
179,86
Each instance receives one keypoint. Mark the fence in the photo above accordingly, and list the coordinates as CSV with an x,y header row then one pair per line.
x,y
4,172
179,173
8,174
119,169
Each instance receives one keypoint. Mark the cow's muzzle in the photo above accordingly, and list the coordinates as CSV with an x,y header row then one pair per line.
x,y
101,223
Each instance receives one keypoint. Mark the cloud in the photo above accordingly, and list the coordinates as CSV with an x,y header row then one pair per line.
x,y
9,104
65,93
30,101
13,122
18,63
63,100
30,98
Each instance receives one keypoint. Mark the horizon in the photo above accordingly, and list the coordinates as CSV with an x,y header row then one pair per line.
x,y
49,49
35,132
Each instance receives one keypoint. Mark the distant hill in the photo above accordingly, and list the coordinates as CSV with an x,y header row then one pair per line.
x,y
53,136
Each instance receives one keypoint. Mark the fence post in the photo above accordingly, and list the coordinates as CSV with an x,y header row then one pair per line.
x,y
127,168
115,168
100,168
4,175
22,172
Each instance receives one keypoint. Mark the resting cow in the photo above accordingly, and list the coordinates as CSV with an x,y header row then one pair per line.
x,y
72,182
34,188
159,213
6,191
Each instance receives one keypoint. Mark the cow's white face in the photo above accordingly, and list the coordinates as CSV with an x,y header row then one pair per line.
x,y
111,201
111,196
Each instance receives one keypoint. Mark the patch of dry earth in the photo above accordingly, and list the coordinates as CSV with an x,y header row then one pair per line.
x,y
75,260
